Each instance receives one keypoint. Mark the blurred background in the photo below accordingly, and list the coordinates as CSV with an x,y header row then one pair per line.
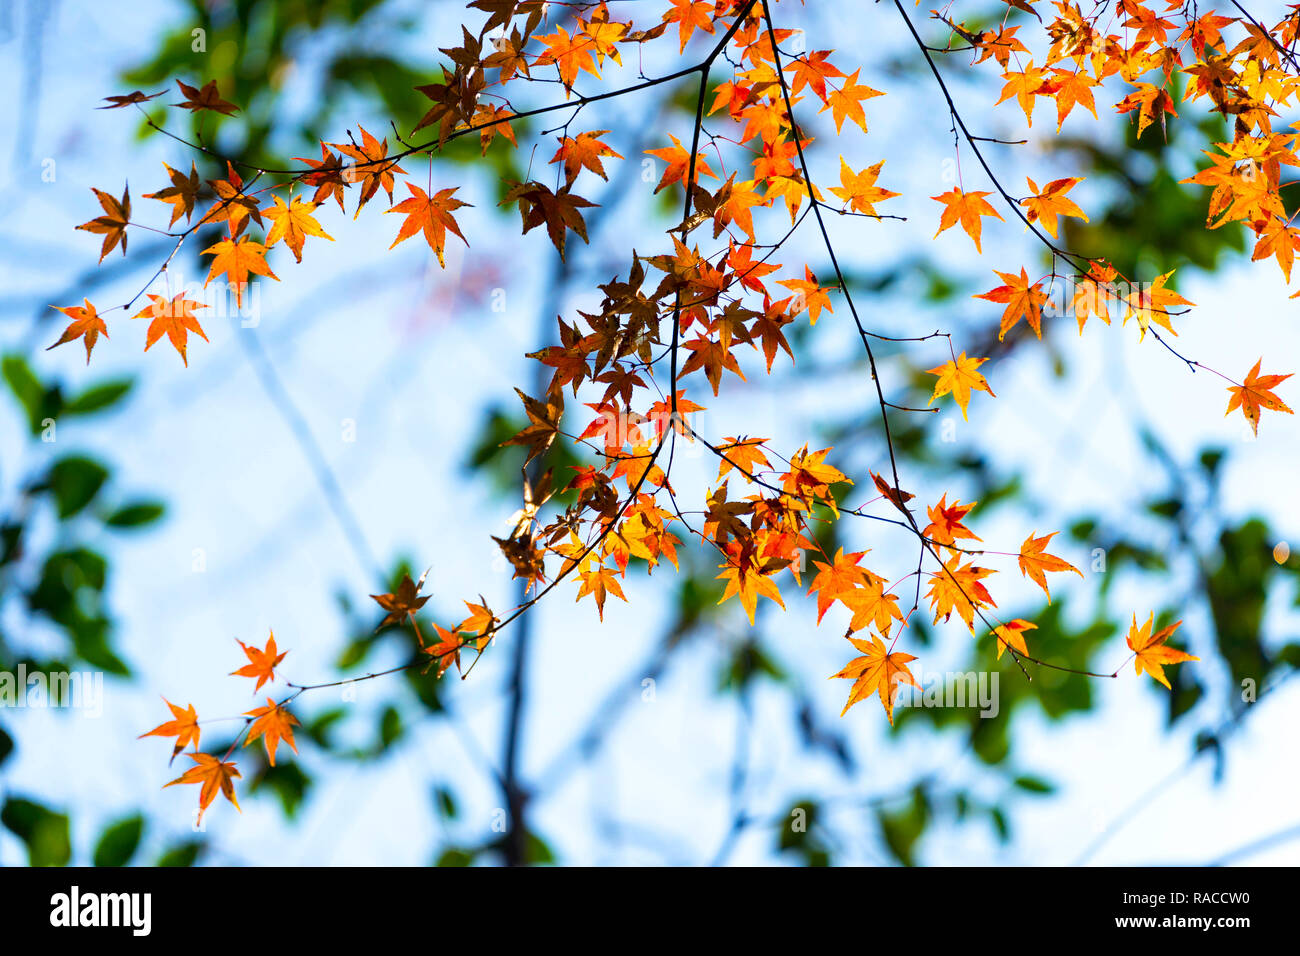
x,y
351,434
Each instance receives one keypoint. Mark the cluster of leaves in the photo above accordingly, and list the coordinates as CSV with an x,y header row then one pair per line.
x,y
683,311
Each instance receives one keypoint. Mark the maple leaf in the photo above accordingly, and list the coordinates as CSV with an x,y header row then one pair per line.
x,y
1151,302
1034,560
598,581
481,623
747,583
809,297
713,357
1024,85
945,525
896,496
1050,203
871,604
1022,300
326,176
1280,241
175,317
446,650
1250,396
745,455
273,723
237,259
293,224
1150,652
1150,102
690,15
1012,635
959,376
235,207
85,322
181,193
374,165
538,205
583,151
135,96
569,53
214,775
679,162
431,214
401,604
812,70
184,726
112,225
1070,88
1093,293
262,663
859,189
837,579
966,208
959,589
207,98
544,423
846,102
876,672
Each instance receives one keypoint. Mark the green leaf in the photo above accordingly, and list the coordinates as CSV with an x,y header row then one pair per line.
x,y
390,728
75,481
135,514
182,854
119,841
27,388
445,802
455,856
1034,784
43,831
6,745
98,397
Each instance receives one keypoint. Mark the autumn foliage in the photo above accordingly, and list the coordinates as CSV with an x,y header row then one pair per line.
x,y
715,302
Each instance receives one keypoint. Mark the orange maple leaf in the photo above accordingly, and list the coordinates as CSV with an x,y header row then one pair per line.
x,y
184,727
876,672
837,579
214,775
273,723
1049,203
262,663
1150,653
959,589
959,376
945,525
112,225
1034,560
85,322
432,214
1022,300
860,191
237,259
966,208
1251,396
583,151
293,223
372,163
446,650
175,317
181,194
1012,635
690,15
679,162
